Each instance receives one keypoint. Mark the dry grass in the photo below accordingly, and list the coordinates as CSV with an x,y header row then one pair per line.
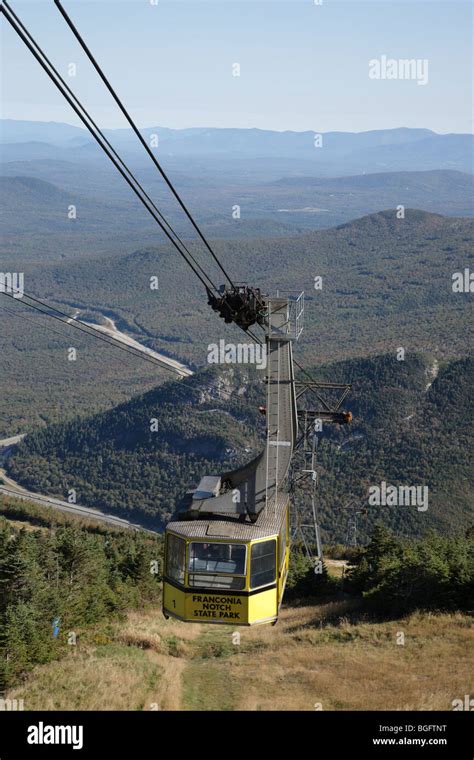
x,y
112,677
323,654
149,630
336,567
355,666
134,665
24,524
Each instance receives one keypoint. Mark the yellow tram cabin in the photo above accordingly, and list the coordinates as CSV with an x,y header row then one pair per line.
x,y
228,569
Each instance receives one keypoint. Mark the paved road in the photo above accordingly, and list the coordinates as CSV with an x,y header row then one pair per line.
x,y
111,329
11,488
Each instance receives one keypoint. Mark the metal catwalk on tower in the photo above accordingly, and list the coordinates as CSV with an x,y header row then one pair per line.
x,y
247,490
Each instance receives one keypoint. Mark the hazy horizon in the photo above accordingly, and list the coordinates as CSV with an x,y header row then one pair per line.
x,y
210,126
303,67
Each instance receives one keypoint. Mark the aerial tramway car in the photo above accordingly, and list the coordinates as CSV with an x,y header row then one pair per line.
x,y
228,569
227,553
226,556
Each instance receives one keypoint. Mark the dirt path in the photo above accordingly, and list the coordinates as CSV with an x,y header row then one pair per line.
x,y
316,655
168,644
171,685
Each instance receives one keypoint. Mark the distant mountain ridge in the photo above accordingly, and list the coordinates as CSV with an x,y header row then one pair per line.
x,y
337,153
57,133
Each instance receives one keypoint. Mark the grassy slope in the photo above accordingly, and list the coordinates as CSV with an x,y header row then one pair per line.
x,y
317,654
327,653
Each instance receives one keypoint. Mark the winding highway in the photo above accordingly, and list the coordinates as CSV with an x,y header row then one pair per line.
x,y
10,487
111,329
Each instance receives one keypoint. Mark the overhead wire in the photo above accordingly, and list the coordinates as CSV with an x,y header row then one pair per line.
x,y
103,142
137,132
88,329
87,120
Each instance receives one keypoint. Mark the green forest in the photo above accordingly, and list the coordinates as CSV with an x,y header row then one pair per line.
x,y
57,583
386,282
384,279
116,460
395,576
409,427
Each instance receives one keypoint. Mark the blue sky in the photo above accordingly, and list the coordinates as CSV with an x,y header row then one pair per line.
x,y
303,66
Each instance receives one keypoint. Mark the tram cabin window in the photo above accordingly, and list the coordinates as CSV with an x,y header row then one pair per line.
x,y
175,558
217,558
217,565
263,564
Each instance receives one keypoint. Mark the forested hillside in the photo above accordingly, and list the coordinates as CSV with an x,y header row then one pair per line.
x,y
385,282
55,584
117,459
411,427
379,271
35,217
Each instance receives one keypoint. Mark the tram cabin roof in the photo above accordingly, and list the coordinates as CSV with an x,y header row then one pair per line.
x,y
268,523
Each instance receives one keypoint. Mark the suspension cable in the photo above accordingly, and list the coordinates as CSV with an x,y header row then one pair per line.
x,y
138,134
82,113
90,330
119,164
